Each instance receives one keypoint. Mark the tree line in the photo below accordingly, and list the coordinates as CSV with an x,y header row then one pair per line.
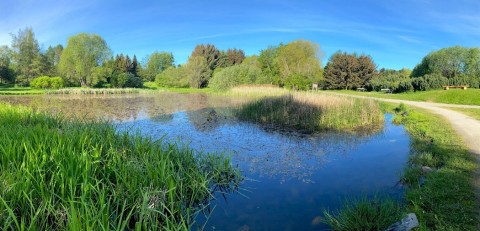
x,y
88,61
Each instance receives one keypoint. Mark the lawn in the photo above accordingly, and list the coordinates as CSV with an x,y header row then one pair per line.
x,y
10,90
452,96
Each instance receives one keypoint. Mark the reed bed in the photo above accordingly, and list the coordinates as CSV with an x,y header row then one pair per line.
x,y
93,91
257,91
69,175
314,112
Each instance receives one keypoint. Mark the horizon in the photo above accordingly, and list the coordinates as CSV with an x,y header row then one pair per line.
x,y
395,34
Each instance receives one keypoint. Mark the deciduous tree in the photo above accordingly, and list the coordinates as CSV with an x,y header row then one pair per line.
x,y
198,72
156,63
82,53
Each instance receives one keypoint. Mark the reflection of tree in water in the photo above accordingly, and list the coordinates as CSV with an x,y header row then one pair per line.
x,y
294,155
208,119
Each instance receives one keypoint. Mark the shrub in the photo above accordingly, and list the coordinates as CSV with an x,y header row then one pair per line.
x,y
45,82
172,77
429,82
235,75
56,82
133,81
396,81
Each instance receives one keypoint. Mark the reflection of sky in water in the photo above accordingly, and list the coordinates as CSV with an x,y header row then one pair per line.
x,y
291,177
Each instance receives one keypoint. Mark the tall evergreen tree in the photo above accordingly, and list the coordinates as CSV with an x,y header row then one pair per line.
x,y
25,52
134,66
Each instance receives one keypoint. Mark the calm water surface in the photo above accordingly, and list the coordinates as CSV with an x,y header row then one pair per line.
x,y
291,177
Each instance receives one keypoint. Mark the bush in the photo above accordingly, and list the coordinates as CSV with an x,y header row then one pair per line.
x,y
172,77
429,82
235,75
396,81
56,82
133,81
46,82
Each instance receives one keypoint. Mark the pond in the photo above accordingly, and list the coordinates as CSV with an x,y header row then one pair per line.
x,y
290,177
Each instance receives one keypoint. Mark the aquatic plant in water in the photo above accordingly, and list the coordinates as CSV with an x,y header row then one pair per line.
x,y
314,112
58,174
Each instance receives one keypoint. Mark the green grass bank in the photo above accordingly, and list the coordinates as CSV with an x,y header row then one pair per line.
x,y
443,198
452,96
58,174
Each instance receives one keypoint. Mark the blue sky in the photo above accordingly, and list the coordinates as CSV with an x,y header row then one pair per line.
x,y
396,34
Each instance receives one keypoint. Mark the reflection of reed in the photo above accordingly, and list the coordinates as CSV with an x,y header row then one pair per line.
x,y
294,155
122,107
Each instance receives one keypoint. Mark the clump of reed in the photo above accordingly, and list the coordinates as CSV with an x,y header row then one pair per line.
x,y
364,214
262,90
58,174
93,91
314,112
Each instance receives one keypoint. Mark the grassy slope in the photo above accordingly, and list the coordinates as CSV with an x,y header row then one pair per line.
x,y
69,175
443,199
453,96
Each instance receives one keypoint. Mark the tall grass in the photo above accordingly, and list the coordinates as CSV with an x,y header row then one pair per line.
x,y
263,90
364,214
313,112
57,174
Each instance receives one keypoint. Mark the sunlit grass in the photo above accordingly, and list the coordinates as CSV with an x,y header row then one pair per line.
x,y
364,214
453,96
444,198
312,112
58,174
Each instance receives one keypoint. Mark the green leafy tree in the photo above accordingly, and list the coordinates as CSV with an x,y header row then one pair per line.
x,y
82,53
268,63
198,71
156,63
25,52
299,64
7,74
52,58
348,71
450,62
397,81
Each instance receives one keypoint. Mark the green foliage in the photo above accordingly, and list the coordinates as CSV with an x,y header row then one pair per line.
x,y
397,81
7,74
210,53
364,214
235,75
46,82
450,62
173,77
198,72
267,61
71,175
443,199
25,52
429,82
123,80
348,71
82,54
299,64
156,63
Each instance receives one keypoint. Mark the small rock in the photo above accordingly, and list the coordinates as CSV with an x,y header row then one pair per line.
x,y
426,169
406,224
